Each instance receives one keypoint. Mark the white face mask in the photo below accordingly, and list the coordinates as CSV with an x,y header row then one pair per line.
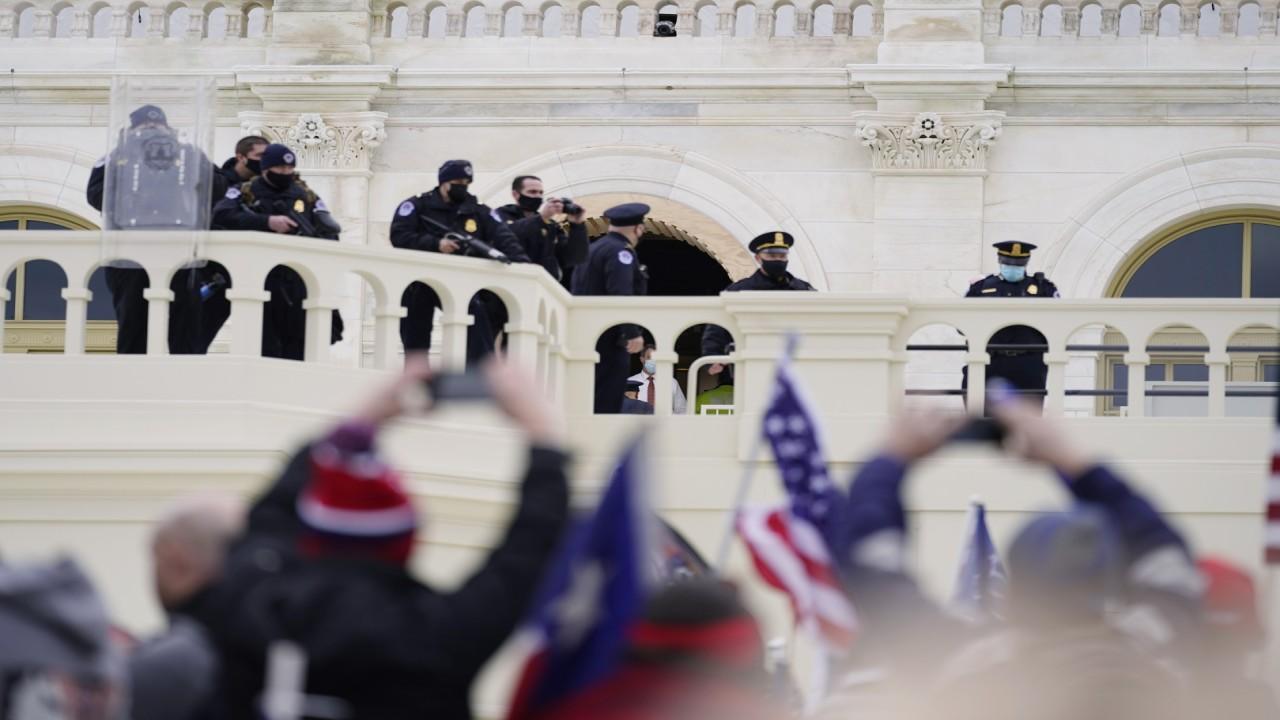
x,y
650,367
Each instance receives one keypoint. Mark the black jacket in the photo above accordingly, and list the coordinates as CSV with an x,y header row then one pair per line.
x,y
249,206
715,339
228,170
546,244
375,637
612,268
410,231
1033,286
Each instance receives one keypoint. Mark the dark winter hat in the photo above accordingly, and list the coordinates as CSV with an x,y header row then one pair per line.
x,y
147,114
355,504
276,155
455,170
1064,563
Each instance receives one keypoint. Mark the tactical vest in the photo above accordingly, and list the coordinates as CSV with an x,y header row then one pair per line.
x,y
156,183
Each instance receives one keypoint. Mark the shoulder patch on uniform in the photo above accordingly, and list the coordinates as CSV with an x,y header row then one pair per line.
x,y
233,193
102,161
625,257
988,290
406,208
320,206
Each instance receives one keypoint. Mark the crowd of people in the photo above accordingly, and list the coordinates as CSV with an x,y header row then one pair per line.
x,y
303,604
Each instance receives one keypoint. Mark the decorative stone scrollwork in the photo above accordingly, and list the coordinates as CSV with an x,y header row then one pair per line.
x,y
928,141
345,141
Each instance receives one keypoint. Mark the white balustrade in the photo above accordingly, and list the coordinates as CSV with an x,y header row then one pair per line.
x,y
83,19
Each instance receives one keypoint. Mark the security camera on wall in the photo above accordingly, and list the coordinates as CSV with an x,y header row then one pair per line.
x,y
665,26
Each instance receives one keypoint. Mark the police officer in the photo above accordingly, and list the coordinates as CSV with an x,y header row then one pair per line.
x,y
1024,368
421,223
612,268
279,201
772,250
532,219
152,154
246,164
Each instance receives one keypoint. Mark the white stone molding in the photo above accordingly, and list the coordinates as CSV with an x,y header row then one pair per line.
x,y
738,204
51,175
1104,233
929,141
1070,21
333,141
1110,22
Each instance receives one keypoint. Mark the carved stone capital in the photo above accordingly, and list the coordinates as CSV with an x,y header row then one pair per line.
x,y
332,141
929,141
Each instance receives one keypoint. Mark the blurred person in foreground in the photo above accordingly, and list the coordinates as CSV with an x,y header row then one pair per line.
x,y
172,675
58,659
1102,609
323,564
1234,636
696,654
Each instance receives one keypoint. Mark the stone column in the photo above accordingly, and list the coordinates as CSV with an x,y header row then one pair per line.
x,y
4,299
386,349
453,356
764,20
80,24
492,24
1030,22
1110,22
1136,364
804,23
992,18
245,323
522,344
1150,20
1218,363
1230,21
1190,21
841,23
77,315
975,393
1267,22
318,32
1070,22
319,328
43,25
156,22
686,22
158,319
724,24
1056,383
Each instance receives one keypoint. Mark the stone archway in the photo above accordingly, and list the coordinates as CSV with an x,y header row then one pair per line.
x,y
1104,233
722,207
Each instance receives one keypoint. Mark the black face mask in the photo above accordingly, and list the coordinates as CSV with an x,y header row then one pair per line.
x,y
529,204
278,181
774,268
457,194
254,166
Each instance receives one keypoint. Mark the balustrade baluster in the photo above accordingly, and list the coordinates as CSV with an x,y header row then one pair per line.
x,y
1218,363
246,320
158,300
319,327
1137,368
77,315
386,336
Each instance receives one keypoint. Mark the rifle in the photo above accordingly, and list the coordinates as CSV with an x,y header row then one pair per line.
x,y
469,244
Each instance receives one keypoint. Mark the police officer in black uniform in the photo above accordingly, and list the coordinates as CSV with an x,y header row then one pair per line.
x,y
772,249
1024,368
553,245
151,154
613,268
421,223
279,201
246,164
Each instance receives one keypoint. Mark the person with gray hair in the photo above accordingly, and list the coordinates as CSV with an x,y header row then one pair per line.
x,y
174,674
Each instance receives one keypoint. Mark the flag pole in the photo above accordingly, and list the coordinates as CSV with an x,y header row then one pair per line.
x,y
748,472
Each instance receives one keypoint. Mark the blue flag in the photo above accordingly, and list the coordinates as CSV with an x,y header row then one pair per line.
x,y
981,581
592,594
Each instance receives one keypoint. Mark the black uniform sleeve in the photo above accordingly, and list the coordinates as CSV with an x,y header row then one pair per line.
x,y
501,237
573,251
485,610
217,185
975,290
620,277
231,214
406,231
97,179
715,339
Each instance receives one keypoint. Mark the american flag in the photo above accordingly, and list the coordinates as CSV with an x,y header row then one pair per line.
x,y
981,580
1273,497
790,546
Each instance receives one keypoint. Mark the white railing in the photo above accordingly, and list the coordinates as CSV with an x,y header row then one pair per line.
x,y
1129,18
190,20
858,348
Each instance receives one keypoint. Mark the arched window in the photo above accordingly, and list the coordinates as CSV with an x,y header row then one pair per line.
x,y
475,21
437,22
1011,21
139,20
707,21
1170,20
552,21
1130,20
784,21
824,20
1210,20
179,21
1091,20
63,21
589,22
26,22
216,27
1051,20
744,23
1247,25
629,21
1234,257
35,304
513,21
100,21
255,25
862,20
398,22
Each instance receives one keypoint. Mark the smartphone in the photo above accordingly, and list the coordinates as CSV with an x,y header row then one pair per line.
x,y
458,387
980,429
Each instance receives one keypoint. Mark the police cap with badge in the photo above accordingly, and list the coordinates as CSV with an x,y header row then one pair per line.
x,y
1013,252
773,240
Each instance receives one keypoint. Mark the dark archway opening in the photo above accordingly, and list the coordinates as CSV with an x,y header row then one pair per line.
x,y
678,268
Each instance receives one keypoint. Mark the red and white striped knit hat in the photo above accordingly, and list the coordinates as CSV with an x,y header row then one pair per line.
x,y
356,504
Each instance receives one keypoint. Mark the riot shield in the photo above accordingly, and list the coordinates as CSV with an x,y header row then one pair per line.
x,y
157,174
